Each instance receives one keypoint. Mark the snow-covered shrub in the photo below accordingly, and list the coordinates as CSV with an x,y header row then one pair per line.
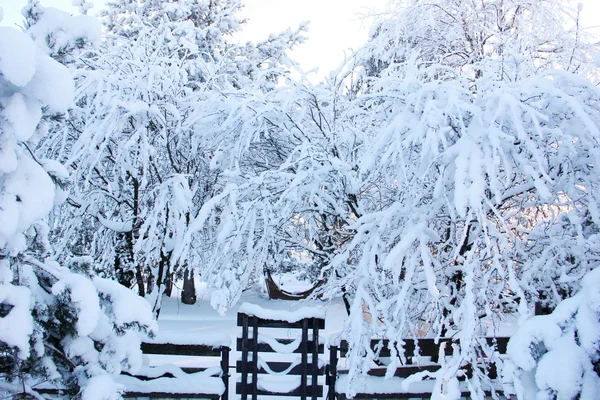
x,y
57,324
557,356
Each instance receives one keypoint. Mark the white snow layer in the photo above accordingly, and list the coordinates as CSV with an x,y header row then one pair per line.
x,y
17,56
17,326
28,81
127,306
200,382
26,197
198,338
559,348
65,28
84,298
282,315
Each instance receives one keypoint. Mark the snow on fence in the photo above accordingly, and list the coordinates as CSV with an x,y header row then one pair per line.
x,y
297,376
172,382
421,356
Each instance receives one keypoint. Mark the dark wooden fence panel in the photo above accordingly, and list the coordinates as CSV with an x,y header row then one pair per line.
x,y
250,345
195,350
411,348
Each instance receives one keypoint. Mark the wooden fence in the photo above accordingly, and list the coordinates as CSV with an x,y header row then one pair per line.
x,y
167,378
419,356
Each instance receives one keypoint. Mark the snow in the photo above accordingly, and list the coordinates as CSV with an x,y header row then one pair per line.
x,y
64,28
52,84
82,294
372,384
22,116
17,326
102,387
27,196
214,339
559,348
17,57
562,369
127,306
281,385
117,226
200,382
282,315
438,191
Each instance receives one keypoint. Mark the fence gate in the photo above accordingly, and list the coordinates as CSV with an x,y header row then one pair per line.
x,y
294,366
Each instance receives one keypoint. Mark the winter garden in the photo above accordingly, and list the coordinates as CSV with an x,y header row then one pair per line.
x,y
442,183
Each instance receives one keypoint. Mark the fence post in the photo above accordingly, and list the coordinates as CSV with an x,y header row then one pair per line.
x,y
333,359
225,369
244,385
255,358
315,357
304,364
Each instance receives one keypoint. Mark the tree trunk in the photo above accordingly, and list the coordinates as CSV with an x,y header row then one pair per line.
x,y
169,284
188,295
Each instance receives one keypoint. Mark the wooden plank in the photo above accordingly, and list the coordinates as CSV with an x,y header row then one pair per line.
x,y
295,393
244,349
315,357
181,349
427,346
280,366
254,358
464,394
408,370
333,350
269,323
304,358
165,395
422,396
57,392
404,371
225,371
266,348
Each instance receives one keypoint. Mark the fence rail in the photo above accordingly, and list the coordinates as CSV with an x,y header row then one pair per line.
x,y
168,378
411,349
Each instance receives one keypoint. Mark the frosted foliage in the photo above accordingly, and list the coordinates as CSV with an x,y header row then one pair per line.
x,y
561,349
84,298
31,80
17,326
59,34
52,84
17,64
445,182
467,195
156,105
508,39
68,328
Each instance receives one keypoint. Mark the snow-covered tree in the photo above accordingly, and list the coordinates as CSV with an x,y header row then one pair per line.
x,y
475,185
158,104
557,356
504,39
58,324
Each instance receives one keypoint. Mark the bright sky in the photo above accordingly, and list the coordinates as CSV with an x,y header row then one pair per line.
x,y
336,25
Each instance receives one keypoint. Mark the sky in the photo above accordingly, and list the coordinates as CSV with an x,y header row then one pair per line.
x,y
336,26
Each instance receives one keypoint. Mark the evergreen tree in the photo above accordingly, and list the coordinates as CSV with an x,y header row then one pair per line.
x,y
58,323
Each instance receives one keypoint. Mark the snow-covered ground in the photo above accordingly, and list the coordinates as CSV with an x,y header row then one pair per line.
x,y
201,320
